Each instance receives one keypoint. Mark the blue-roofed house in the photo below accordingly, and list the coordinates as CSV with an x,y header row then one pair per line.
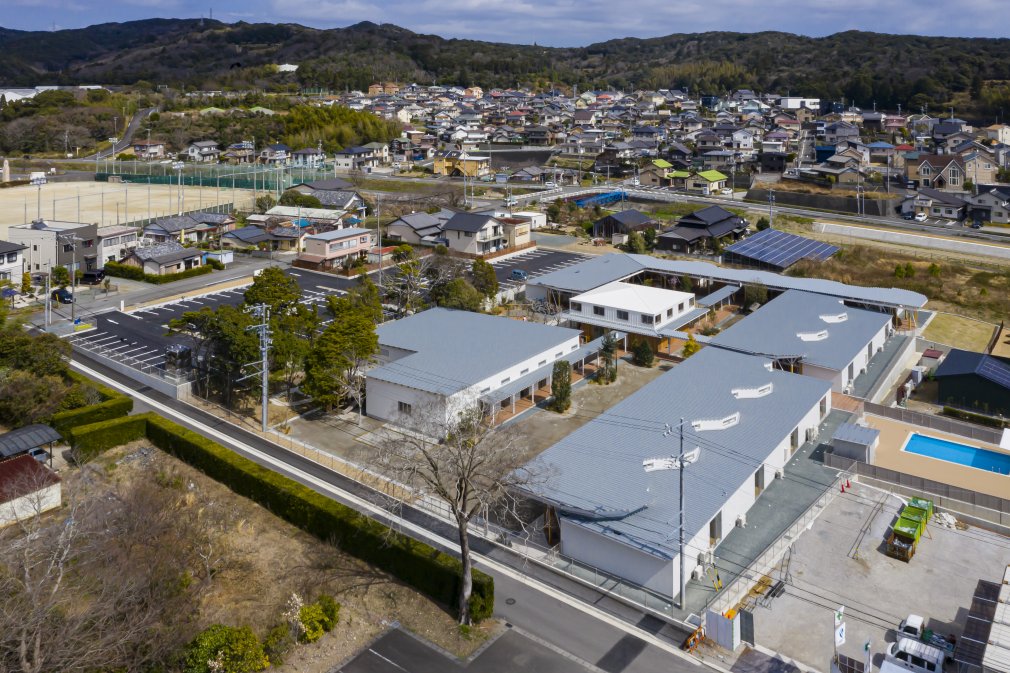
x,y
974,381
747,418
811,334
440,361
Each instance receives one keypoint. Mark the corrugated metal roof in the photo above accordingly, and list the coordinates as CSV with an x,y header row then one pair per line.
x,y
856,434
453,350
616,266
598,468
24,439
823,330
713,298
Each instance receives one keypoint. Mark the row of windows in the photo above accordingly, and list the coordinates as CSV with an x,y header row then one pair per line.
x,y
623,315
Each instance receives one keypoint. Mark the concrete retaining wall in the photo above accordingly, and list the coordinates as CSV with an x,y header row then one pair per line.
x,y
918,240
840,204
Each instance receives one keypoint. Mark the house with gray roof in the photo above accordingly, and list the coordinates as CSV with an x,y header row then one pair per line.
x,y
440,361
811,334
164,258
747,418
419,228
193,227
475,233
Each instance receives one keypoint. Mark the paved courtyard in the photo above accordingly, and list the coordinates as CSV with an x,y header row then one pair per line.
x,y
840,561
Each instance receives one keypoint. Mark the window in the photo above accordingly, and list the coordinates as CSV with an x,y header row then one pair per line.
x,y
669,312
824,406
363,239
35,248
403,408
525,371
89,243
68,248
485,390
794,439
622,315
576,306
647,319
598,310
658,319
506,380
12,257
559,354
541,363
925,170
680,307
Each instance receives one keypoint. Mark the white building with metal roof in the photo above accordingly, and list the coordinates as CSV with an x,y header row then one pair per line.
x,y
811,334
747,417
633,308
440,361
559,286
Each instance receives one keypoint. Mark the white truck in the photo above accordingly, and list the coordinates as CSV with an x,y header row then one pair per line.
x,y
912,656
914,627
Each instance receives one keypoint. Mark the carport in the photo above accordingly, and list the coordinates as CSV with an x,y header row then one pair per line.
x,y
23,440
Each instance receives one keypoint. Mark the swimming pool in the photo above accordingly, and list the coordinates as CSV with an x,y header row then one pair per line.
x,y
952,452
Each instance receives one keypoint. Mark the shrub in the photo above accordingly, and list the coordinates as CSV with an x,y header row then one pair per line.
x,y
215,264
976,418
691,347
331,610
642,354
278,643
312,619
136,273
123,271
113,405
225,649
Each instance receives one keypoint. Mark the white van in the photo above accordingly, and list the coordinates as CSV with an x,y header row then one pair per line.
x,y
912,656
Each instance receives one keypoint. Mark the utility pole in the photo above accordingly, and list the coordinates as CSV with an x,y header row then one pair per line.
x,y
378,228
262,311
678,463
771,208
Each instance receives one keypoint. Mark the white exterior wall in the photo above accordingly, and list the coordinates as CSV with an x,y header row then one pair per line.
x,y
840,379
116,246
12,265
40,253
382,397
29,505
658,574
536,219
634,317
460,241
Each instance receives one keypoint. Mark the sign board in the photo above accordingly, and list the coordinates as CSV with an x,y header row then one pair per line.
x,y
840,635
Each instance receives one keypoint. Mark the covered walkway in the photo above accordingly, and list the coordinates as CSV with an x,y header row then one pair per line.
x,y
534,388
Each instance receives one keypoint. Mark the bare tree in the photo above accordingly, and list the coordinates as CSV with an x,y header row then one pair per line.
x,y
460,460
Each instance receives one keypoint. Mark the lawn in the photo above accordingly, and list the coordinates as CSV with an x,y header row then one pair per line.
x,y
958,331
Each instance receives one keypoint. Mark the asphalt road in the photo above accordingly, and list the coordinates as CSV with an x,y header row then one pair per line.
x,y
534,263
399,652
127,138
589,636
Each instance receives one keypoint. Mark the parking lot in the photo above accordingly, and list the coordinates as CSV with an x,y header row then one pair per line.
x,y
840,561
130,339
534,263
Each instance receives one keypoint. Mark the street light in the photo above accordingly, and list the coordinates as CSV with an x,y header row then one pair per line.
x,y
38,181
679,463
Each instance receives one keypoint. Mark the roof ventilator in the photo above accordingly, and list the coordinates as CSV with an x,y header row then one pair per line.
x,y
813,336
835,318
716,423
752,393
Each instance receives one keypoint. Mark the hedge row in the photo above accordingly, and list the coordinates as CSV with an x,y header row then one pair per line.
x,y
425,568
136,273
980,419
113,405
91,440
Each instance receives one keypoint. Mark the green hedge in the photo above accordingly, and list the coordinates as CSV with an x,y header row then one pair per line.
x,y
91,440
425,568
113,405
136,273
981,419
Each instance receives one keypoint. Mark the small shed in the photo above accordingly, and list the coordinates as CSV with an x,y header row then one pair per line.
x,y
23,440
856,442
27,488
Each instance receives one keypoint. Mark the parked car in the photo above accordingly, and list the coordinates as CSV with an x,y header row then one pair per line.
x,y
550,185
39,454
914,627
911,655
920,217
726,191
976,225
93,276
519,274
908,216
62,296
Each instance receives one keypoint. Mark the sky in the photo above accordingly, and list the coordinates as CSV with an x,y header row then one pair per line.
x,y
546,22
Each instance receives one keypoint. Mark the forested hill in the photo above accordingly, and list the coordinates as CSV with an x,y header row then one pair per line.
x,y
861,67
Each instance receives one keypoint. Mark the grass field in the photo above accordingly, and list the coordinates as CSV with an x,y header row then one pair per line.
x,y
107,203
954,330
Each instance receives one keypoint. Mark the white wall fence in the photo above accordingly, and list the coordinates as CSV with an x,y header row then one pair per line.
x,y
177,387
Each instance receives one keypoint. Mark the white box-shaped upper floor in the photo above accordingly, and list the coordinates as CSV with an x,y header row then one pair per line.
x,y
631,305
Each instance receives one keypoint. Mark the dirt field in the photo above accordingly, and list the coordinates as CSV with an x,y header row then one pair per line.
x,y
106,203
270,560
954,330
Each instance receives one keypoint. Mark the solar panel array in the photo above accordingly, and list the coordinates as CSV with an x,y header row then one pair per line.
x,y
994,370
779,249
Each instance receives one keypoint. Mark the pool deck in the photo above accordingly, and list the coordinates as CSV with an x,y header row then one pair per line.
x,y
893,435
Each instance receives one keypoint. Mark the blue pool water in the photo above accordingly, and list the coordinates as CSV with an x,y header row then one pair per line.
x,y
952,452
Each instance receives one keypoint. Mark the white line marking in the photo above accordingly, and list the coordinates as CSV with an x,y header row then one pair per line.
x,y
388,661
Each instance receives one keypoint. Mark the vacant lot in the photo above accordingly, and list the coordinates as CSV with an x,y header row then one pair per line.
x,y
107,203
960,332
259,561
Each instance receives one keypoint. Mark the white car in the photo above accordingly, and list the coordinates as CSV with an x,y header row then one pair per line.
x,y
920,217
726,191
550,185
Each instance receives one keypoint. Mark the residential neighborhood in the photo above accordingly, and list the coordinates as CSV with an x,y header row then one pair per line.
x,y
449,374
